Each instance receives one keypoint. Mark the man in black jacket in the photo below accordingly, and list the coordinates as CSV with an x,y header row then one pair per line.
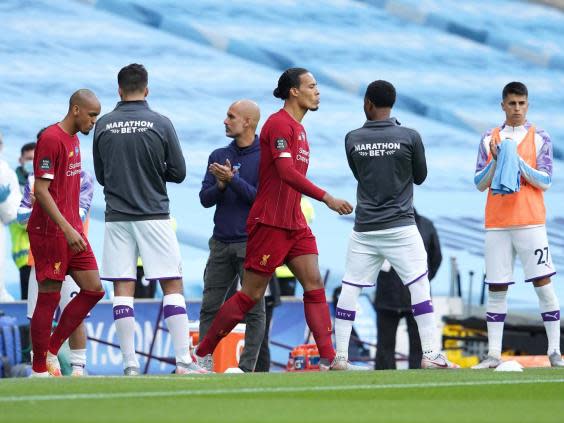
x,y
393,302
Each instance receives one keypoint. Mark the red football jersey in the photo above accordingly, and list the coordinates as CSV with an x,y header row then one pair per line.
x,y
57,157
276,203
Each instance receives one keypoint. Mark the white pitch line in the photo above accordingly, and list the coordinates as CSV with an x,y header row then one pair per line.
x,y
266,390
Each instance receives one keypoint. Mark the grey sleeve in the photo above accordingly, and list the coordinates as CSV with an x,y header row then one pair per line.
x,y
419,163
175,164
98,164
349,158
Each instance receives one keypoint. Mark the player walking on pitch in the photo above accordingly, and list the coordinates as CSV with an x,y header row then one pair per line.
x,y
278,232
136,152
515,223
56,236
386,159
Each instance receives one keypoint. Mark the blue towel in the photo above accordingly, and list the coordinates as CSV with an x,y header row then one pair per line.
x,y
507,176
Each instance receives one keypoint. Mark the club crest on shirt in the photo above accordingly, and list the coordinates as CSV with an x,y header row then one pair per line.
x,y
302,136
281,144
71,154
45,164
264,259
57,268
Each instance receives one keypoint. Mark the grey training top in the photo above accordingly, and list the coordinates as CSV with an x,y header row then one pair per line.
x,y
136,151
386,159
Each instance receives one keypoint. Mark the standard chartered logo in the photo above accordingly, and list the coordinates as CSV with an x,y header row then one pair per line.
x,y
74,169
377,149
129,126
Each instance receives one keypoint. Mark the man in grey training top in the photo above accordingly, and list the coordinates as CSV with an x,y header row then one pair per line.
x,y
136,152
386,159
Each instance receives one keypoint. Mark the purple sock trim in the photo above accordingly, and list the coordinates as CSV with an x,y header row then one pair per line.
x,y
551,316
422,308
345,314
536,278
498,283
122,311
164,278
173,310
416,279
495,317
357,285
118,279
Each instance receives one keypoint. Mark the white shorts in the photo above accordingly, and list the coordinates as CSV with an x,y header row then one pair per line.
x,y
530,244
152,240
69,289
402,247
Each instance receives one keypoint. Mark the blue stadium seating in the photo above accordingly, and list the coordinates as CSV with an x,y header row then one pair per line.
x,y
448,63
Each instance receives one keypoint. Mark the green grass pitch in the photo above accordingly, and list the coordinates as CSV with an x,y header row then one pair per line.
x,y
454,396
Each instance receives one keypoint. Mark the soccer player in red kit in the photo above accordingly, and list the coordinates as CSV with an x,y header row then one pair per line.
x,y
56,236
278,232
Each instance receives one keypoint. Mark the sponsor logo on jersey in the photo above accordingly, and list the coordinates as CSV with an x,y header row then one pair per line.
x,y
45,164
281,144
129,126
303,155
264,259
74,169
377,149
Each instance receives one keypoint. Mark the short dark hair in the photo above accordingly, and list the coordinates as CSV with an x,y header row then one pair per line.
x,y
30,146
517,88
381,94
133,78
290,78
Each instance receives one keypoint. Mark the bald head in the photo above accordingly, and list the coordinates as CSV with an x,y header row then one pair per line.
x,y
83,97
84,109
248,109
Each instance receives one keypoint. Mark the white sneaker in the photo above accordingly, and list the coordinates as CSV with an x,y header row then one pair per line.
x,y
555,359
39,374
131,371
437,361
205,362
189,369
340,362
53,366
488,363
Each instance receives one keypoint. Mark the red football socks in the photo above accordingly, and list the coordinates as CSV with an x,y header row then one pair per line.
x,y
319,322
230,313
74,313
41,324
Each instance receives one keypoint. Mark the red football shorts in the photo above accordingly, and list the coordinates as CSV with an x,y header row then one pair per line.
x,y
54,259
269,247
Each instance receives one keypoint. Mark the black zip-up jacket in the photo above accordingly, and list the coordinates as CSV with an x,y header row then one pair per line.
x,y
136,152
386,160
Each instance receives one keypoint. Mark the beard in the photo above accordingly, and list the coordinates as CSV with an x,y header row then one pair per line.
x,y
314,109
85,132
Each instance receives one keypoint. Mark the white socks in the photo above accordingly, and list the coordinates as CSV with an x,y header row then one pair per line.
x,y
78,358
550,312
174,310
496,311
124,321
422,308
345,313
